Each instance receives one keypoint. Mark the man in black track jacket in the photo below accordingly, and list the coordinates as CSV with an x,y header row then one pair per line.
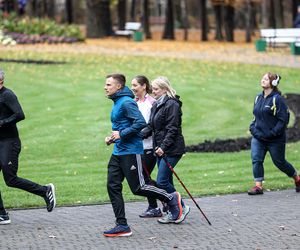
x,y
10,148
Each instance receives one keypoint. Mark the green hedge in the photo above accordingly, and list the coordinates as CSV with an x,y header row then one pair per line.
x,y
38,26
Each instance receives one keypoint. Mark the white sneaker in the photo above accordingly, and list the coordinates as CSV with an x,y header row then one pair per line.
x,y
185,211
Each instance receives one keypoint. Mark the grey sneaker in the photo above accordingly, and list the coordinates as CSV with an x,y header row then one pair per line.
x,y
185,211
167,219
151,213
4,219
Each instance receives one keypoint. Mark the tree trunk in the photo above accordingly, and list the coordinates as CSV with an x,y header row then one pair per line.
x,y
169,24
146,25
248,21
218,16
185,24
229,23
121,14
203,21
98,22
278,10
69,11
132,11
272,18
265,13
50,9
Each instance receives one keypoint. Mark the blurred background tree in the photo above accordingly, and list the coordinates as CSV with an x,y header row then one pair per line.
x,y
214,19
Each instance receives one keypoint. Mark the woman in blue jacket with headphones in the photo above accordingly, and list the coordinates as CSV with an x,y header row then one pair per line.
x,y
268,129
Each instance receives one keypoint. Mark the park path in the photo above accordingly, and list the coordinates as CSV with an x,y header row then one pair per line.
x,y
239,221
212,51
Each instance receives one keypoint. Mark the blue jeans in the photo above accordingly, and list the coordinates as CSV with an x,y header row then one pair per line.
x,y
164,178
277,151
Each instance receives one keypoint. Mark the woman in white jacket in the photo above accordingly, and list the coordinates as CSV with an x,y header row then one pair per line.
x,y
142,89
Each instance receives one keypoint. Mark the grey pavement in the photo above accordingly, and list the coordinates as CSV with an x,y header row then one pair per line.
x,y
239,221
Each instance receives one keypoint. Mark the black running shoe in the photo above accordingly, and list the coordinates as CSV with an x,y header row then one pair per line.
x,y
4,219
297,184
50,197
151,213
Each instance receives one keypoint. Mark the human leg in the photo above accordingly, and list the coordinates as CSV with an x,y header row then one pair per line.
x,y
9,157
132,167
115,178
258,153
149,162
9,160
277,152
165,175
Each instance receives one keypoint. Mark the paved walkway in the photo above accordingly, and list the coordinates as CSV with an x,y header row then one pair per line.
x,y
270,221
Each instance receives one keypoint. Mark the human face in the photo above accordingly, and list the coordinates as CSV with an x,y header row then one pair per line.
x,y
138,89
265,82
111,86
157,91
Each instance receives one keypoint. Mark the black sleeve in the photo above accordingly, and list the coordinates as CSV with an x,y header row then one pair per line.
x,y
12,103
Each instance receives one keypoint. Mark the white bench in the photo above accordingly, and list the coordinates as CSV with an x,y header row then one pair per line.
x,y
130,28
273,37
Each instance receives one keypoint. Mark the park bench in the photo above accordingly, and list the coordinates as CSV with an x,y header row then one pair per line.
x,y
130,29
279,37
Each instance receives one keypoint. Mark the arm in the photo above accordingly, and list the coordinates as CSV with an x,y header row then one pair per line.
x,y
11,101
138,122
172,125
282,114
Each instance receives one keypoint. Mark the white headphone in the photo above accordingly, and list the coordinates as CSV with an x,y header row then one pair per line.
x,y
275,82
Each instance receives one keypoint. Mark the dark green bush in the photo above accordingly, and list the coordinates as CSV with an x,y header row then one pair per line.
x,y
38,26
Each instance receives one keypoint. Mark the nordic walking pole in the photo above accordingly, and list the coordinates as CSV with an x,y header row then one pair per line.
x,y
173,171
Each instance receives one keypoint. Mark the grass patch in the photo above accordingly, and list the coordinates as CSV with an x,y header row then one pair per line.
x,y
68,116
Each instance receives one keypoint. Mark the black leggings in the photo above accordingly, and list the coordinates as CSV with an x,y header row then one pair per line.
x,y
129,167
9,159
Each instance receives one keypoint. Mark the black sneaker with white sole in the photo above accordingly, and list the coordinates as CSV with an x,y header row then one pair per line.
x,y
4,219
50,197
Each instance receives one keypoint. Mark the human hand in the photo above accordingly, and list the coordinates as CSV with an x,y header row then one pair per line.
x,y
108,140
159,152
115,135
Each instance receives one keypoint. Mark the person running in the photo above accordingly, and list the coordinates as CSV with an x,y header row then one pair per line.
x,y
125,161
142,89
168,141
10,148
268,129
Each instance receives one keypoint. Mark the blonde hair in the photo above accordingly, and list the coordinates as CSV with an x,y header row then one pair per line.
x,y
164,83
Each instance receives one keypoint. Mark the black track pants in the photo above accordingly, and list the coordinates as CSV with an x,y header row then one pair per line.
x,y
9,159
149,162
129,167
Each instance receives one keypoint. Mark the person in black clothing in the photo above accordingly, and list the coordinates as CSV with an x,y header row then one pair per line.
x,y
268,129
165,127
10,147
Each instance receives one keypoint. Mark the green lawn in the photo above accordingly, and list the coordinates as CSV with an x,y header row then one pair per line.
x,y
68,116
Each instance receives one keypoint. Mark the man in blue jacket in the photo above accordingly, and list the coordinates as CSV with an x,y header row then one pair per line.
x,y
125,162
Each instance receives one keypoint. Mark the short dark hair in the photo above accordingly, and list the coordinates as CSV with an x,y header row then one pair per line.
x,y
120,78
143,80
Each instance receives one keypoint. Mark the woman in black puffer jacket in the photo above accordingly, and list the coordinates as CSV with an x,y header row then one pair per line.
x,y
165,127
